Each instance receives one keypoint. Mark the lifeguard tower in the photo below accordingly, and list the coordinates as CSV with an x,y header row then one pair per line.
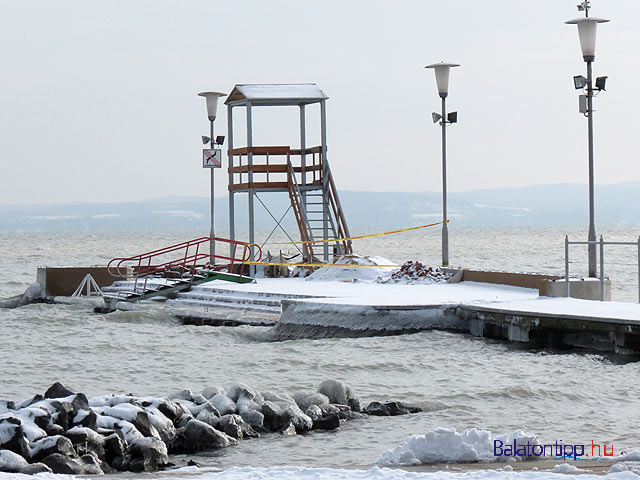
x,y
303,172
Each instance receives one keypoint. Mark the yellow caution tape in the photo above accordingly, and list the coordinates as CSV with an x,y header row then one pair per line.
x,y
319,264
364,236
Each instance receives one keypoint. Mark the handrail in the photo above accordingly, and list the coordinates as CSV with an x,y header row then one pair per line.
x,y
602,244
186,261
295,195
343,229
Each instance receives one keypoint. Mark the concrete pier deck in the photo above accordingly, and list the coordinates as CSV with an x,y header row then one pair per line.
x,y
314,309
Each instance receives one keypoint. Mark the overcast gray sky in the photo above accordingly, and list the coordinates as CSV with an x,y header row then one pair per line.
x,y
98,99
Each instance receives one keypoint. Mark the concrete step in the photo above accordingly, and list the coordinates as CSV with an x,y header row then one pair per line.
x,y
221,298
196,302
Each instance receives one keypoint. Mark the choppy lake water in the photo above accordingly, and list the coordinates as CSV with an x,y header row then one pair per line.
x,y
461,381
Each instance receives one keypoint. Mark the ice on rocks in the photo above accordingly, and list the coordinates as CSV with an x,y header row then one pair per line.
x,y
237,390
211,392
181,395
307,398
336,391
223,404
281,399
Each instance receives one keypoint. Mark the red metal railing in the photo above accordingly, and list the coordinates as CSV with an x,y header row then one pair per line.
x,y
188,254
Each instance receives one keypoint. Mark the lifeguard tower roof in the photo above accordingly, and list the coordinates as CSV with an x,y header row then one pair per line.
x,y
275,94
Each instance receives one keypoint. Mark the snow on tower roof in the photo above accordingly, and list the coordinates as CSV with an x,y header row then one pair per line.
x,y
276,94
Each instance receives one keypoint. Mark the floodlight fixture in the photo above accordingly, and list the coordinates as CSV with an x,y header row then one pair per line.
x,y
219,139
601,83
579,82
452,117
205,139
436,117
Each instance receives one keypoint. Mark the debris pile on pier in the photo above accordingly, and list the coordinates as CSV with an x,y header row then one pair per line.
x,y
415,272
66,432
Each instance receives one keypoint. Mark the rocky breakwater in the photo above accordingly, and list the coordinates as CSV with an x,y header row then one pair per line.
x,y
66,432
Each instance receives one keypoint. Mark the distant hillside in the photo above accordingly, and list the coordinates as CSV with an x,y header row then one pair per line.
x,y
564,204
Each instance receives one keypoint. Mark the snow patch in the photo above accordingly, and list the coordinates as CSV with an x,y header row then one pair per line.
x,y
446,445
368,274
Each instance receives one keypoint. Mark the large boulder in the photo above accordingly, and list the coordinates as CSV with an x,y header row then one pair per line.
x,y
50,445
11,434
236,420
211,392
198,435
298,419
314,412
85,418
59,463
274,418
135,415
390,409
11,462
330,422
237,390
337,392
57,390
91,465
85,440
147,455
115,450
224,404
304,399
181,395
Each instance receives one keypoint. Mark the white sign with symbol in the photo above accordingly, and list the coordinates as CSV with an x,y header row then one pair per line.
x,y
211,158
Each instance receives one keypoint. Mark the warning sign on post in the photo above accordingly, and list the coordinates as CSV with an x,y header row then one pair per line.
x,y
211,158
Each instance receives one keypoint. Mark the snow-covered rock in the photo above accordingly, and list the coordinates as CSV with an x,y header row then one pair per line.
x,y
11,462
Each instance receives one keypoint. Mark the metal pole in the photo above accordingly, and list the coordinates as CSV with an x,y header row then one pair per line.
x,y
250,190
601,269
325,180
445,229
566,264
303,155
232,217
592,228
212,232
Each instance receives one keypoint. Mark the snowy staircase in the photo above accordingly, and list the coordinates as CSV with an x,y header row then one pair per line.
x,y
319,217
149,287
205,296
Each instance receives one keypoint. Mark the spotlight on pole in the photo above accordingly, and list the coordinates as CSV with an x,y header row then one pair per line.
x,y
436,117
452,117
601,82
205,139
219,139
579,82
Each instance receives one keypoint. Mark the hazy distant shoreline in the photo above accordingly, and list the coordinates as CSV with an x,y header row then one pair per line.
x,y
560,204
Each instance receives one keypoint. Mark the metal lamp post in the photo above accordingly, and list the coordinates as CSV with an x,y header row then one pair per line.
x,y
442,71
587,33
212,109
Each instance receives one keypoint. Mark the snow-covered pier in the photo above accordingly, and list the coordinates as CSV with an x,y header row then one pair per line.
x,y
354,302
